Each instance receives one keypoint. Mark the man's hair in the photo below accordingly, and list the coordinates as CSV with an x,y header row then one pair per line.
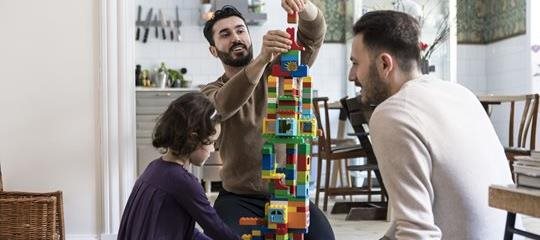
x,y
225,12
392,31
188,121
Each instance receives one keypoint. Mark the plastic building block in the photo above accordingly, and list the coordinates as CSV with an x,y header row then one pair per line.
x,y
302,190
278,72
269,126
289,120
292,18
304,163
301,71
277,214
286,127
251,221
294,46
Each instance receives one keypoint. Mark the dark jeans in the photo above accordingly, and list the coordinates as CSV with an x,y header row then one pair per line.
x,y
231,207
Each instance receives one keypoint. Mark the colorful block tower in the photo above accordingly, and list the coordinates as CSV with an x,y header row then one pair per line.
x,y
290,121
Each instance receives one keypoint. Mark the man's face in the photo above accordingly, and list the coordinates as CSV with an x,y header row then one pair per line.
x,y
364,74
232,42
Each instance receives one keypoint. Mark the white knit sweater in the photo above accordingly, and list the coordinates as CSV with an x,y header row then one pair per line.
x,y
438,153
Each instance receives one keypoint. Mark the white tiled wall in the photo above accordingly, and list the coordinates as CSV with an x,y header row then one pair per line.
x,y
329,70
507,67
471,67
498,68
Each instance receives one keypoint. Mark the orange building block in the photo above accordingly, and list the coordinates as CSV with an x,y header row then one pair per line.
x,y
292,18
251,221
298,220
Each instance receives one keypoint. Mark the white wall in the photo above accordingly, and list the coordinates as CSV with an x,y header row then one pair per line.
x,y
471,67
502,67
329,70
48,101
535,41
496,68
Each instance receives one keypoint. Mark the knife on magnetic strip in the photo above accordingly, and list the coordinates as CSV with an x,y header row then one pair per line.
x,y
147,25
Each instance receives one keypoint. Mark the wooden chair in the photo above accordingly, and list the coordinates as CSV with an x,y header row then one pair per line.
x,y
526,132
359,115
28,218
37,209
331,153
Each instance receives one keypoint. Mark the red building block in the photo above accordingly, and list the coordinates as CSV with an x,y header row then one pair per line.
x,y
294,45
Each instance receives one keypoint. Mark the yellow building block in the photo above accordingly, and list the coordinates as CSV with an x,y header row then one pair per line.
x,y
272,81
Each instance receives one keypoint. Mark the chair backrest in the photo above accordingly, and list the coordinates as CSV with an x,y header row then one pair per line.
x,y
25,200
324,132
527,120
359,115
59,206
28,218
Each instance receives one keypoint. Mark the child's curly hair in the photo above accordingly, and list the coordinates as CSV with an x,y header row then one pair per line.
x,y
188,121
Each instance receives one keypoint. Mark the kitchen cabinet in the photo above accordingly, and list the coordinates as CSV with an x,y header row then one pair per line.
x,y
150,103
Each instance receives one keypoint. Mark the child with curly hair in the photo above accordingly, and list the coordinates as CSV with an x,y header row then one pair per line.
x,y
167,200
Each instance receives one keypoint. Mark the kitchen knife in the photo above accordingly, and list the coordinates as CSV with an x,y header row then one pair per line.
x,y
177,25
156,27
170,24
147,25
163,24
139,10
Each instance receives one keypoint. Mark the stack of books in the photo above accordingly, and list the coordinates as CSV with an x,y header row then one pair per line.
x,y
527,170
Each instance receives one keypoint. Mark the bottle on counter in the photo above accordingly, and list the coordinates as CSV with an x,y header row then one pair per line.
x,y
138,77
161,80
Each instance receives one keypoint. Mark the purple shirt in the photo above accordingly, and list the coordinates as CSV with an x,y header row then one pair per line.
x,y
165,203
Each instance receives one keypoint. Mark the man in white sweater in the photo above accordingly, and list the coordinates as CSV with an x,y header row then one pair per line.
x,y
436,147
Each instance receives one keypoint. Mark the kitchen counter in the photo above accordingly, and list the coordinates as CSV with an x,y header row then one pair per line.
x,y
150,89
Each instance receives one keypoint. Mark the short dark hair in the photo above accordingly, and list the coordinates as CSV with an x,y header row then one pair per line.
x,y
395,32
190,113
225,12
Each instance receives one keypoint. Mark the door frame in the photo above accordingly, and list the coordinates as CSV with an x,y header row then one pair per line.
x,y
117,164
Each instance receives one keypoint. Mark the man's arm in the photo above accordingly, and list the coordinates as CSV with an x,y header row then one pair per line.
x,y
311,32
405,164
229,97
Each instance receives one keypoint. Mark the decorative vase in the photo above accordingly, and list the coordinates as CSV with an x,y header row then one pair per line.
x,y
424,66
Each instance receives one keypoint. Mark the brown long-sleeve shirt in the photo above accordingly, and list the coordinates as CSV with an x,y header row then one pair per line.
x,y
242,103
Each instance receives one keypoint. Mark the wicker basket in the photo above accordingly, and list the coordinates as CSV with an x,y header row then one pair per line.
x,y
28,218
59,213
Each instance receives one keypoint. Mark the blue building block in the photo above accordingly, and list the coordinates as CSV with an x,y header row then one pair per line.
x,y
286,127
302,71
290,174
268,162
302,190
290,57
291,151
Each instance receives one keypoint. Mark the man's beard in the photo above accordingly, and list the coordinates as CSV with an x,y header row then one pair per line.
x,y
378,91
228,59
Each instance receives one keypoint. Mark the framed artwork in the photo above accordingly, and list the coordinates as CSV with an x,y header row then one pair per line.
x,y
487,21
339,19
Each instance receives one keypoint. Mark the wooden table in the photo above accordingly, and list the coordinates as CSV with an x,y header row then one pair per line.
x,y
515,200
